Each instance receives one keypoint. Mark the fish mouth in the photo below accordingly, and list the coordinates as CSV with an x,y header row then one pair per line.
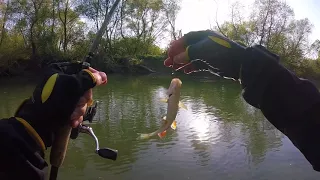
x,y
175,84
176,81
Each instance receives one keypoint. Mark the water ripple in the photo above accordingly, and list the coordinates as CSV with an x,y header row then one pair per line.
x,y
219,135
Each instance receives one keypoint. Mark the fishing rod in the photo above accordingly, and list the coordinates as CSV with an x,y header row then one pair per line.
x,y
62,135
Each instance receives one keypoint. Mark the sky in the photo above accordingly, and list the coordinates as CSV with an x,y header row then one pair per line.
x,y
199,14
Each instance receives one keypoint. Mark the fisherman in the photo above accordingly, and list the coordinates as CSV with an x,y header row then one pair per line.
x,y
290,103
61,97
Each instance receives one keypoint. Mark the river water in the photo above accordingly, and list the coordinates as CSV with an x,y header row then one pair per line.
x,y
220,136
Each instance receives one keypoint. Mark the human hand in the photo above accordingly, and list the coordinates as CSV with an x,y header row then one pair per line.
x,y
86,100
206,50
60,98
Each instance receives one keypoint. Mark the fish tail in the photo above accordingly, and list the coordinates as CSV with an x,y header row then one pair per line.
x,y
162,134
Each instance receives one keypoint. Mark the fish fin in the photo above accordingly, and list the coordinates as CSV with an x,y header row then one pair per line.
x,y
162,134
181,105
164,118
174,125
143,136
165,100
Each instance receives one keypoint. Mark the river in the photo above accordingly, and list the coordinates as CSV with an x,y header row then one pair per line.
x,y
220,136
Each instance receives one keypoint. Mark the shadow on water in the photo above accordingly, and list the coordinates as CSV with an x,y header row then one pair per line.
x,y
219,135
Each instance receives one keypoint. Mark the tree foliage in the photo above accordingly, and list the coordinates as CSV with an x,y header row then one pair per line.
x,y
271,23
40,30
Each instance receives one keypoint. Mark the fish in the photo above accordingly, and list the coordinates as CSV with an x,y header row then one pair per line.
x,y
173,106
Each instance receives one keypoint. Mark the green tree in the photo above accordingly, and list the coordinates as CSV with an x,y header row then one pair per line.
x,y
271,24
41,30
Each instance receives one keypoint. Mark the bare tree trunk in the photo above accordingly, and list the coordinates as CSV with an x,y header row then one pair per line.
x,y
65,43
64,24
264,24
36,5
5,17
53,17
33,44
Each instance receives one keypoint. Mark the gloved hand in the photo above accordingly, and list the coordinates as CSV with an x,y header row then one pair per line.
x,y
219,54
253,66
60,98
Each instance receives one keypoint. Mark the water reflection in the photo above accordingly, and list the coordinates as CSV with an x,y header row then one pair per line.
x,y
242,124
219,135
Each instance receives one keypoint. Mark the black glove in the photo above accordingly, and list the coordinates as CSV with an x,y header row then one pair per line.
x,y
215,52
55,98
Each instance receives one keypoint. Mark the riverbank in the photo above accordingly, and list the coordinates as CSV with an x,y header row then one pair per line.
x,y
143,65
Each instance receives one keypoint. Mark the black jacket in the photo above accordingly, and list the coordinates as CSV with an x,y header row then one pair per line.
x,y
292,105
20,156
